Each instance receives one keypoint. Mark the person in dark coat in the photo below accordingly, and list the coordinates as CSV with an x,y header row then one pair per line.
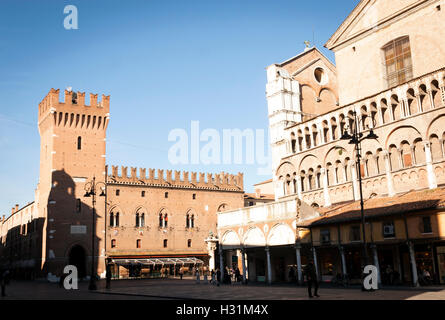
x,y
218,277
108,276
311,276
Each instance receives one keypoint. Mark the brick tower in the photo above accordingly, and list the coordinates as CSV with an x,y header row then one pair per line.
x,y
72,152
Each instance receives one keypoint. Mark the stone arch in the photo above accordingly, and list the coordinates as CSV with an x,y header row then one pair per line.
x,y
280,234
254,237
424,98
436,94
223,207
308,100
396,107
230,238
400,133
328,98
437,126
413,107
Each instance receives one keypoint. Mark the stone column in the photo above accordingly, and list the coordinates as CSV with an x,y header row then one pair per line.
x,y
299,191
299,269
243,253
221,262
442,148
211,247
376,262
355,185
269,267
429,166
413,155
413,263
327,198
389,181
343,261
314,252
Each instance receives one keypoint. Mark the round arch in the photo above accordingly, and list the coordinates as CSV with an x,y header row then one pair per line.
x,y
254,237
280,234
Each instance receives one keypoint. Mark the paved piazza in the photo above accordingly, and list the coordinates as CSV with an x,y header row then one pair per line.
x,y
161,289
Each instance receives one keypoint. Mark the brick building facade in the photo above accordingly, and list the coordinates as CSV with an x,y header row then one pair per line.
x,y
142,219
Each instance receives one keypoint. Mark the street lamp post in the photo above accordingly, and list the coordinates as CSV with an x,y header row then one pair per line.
x,y
90,188
355,137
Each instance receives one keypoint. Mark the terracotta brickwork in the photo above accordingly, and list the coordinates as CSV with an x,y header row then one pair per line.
x,y
56,230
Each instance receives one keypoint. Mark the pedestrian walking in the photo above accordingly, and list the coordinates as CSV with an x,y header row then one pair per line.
x,y
205,277
197,276
212,277
108,276
181,272
218,277
311,276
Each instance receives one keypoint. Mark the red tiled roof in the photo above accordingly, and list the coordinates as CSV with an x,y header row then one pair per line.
x,y
407,202
261,197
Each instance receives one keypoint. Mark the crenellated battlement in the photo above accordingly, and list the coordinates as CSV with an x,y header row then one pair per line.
x,y
181,179
74,111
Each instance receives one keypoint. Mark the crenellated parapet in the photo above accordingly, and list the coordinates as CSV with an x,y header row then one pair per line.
x,y
73,110
178,179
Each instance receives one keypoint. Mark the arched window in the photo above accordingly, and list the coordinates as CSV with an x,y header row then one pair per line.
x,y
192,221
111,219
79,143
398,62
138,243
187,221
165,220
113,243
117,220
161,220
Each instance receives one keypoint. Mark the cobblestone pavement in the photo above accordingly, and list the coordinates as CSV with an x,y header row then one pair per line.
x,y
156,289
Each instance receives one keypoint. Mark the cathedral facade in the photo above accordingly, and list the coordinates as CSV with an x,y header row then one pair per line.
x,y
388,83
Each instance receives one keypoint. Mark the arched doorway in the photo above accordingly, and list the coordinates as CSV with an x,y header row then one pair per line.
x,y
77,257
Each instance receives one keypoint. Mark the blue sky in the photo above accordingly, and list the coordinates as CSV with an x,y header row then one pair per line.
x,y
164,63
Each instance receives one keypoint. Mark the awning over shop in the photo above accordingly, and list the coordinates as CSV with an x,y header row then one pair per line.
x,y
157,261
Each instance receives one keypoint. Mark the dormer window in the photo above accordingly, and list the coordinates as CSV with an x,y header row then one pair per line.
x,y
399,68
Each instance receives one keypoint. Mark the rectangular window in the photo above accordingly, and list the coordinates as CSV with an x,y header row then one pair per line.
x,y
166,195
189,243
138,243
389,230
398,62
113,243
118,192
194,196
165,243
355,233
143,194
426,221
325,236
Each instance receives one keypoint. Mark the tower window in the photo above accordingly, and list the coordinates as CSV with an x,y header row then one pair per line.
x,y
118,192
166,195
79,143
194,196
113,243
165,243
189,243
143,194
138,243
